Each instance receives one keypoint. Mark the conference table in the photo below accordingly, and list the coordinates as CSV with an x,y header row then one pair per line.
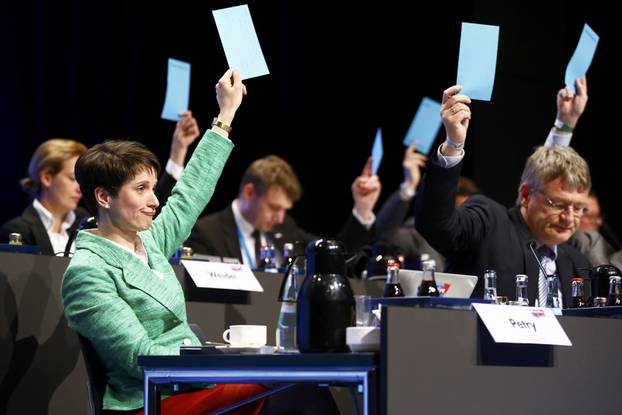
x,y
41,366
431,360
437,361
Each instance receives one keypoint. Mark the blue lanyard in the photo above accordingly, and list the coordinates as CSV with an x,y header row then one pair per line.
x,y
249,257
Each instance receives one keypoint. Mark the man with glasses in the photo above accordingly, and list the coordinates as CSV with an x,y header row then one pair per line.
x,y
483,234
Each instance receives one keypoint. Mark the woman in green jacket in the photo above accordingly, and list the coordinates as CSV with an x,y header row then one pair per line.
x,y
119,290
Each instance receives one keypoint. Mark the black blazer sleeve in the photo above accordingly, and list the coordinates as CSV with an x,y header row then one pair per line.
x,y
449,229
391,216
354,235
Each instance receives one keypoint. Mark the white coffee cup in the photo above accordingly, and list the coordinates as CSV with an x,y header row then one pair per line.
x,y
245,335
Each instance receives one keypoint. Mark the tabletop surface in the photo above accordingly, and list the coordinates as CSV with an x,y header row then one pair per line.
x,y
307,360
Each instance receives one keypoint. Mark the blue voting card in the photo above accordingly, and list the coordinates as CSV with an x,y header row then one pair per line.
x,y
239,40
177,89
424,127
477,61
582,57
376,152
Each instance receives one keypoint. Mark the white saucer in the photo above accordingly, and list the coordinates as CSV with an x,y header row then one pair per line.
x,y
247,349
363,338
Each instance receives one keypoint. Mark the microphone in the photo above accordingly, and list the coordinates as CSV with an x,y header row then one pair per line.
x,y
85,223
533,251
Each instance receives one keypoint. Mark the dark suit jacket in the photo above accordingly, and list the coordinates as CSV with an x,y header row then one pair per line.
x,y
394,230
216,234
33,232
483,234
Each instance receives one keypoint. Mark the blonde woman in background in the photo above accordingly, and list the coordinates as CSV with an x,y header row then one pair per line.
x,y
54,213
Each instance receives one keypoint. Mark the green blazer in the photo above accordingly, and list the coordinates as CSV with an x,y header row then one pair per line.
x,y
126,308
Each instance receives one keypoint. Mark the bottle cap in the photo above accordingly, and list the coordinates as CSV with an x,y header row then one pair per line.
x,y
430,262
15,238
187,252
392,263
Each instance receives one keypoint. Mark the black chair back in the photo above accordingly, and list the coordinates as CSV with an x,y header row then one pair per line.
x,y
96,372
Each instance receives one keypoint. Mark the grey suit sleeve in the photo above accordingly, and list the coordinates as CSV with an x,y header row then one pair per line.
x,y
595,248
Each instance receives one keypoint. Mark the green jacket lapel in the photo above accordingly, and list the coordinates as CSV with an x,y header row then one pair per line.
x,y
135,272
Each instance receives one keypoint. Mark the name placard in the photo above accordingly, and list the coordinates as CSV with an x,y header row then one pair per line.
x,y
516,324
222,276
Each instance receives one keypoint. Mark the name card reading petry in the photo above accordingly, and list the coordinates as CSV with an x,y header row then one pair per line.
x,y
527,325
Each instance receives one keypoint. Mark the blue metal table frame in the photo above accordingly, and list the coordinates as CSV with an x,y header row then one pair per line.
x,y
334,369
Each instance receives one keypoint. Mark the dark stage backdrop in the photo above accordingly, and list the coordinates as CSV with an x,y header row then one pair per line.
x,y
339,70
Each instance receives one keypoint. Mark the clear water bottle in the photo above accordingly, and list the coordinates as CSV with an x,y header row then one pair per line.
x,y
288,256
579,298
288,296
522,298
552,294
615,291
490,285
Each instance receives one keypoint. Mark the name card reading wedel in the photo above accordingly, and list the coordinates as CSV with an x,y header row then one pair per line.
x,y
527,325
222,276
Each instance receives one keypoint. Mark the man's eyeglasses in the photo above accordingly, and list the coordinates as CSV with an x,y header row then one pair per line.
x,y
577,209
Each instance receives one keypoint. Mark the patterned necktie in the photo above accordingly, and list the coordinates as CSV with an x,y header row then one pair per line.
x,y
547,259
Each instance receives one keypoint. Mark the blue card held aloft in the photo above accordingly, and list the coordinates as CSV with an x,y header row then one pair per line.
x,y
582,57
477,61
376,152
424,127
240,42
177,89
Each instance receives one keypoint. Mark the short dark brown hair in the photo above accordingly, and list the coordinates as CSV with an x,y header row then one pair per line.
x,y
270,171
111,164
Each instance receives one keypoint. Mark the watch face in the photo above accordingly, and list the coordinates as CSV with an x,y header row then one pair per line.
x,y
221,124
453,144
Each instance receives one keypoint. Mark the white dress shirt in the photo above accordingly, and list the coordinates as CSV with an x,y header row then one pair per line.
x,y
246,229
58,240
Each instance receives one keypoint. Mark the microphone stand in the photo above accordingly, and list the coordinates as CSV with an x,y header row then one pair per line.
x,y
546,274
533,251
85,223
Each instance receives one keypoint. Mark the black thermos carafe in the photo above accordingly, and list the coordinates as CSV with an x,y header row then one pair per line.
x,y
325,301
599,277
